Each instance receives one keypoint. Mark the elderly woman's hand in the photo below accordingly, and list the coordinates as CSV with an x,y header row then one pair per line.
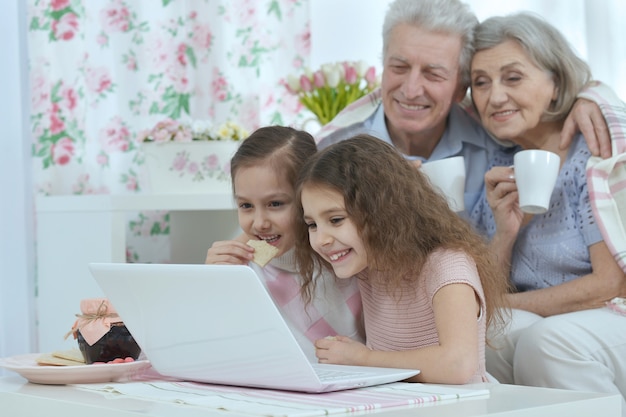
x,y
502,197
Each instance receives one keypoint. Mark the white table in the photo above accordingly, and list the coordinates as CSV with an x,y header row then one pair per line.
x,y
73,231
19,398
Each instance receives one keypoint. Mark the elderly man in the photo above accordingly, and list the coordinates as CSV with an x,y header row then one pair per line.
x,y
427,48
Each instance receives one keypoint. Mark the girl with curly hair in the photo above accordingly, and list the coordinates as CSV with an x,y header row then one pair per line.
x,y
428,283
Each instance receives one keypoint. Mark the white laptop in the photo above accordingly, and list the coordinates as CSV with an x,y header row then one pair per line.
x,y
218,324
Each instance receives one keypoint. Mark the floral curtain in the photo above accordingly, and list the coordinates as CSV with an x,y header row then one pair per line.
x,y
102,71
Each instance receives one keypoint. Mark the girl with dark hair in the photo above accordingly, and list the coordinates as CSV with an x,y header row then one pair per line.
x,y
264,171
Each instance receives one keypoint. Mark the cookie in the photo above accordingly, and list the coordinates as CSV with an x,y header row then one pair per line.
x,y
70,354
263,251
48,359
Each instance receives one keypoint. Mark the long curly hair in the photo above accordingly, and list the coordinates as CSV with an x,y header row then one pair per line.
x,y
401,219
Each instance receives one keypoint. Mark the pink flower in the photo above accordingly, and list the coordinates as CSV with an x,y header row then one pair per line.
x,y
65,28
178,77
115,137
318,79
161,136
370,76
202,37
70,98
212,162
62,151
166,130
56,124
193,168
57,5
142,135
303,42
115,18
219,87
131,63
351,75
40,90
179,162
181,55
98,79
183,135
305,83
131,183
159,52
102,159
102,39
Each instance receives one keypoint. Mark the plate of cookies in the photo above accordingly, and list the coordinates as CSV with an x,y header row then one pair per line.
x,y
69,367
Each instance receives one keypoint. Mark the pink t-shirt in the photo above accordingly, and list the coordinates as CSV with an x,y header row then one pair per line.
x,y
408,322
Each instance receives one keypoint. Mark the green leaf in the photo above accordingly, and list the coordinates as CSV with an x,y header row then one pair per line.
x,y
156,229
55,98
58,14
276,119
191,55
275,9
154,108
34,24
166,2
244,34
47,162
183,101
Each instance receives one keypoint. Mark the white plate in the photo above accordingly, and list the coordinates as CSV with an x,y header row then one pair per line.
x,y
27,367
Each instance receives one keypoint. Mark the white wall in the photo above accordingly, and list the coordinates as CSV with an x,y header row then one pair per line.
x,y
347,30
16,207
352,30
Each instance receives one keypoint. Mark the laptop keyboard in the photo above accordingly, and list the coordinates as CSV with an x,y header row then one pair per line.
x,y
326,375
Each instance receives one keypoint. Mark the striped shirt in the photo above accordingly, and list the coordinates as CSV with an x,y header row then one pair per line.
x,y
408,322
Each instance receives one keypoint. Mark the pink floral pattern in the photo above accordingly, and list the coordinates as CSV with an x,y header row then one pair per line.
x,y
104,71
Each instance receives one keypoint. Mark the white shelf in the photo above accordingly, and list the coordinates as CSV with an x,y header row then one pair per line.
x,y
73,231
139,202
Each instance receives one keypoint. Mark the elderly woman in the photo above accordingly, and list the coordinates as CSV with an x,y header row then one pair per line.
x,y
524,80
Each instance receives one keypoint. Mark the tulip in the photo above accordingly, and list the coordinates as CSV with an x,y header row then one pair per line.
x,y
293,84
370,76
361,67
333,77
331,88
351,75
318,79
305,83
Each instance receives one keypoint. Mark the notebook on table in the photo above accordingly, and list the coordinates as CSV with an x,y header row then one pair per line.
x,y
218,324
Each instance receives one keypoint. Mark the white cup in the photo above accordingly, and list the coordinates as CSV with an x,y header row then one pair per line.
x,y
448,176
535,175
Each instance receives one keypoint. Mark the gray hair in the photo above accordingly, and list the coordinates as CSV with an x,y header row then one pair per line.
x,y
546,47
443,16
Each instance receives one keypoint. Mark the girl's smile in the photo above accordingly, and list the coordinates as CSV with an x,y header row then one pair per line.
x,y
332,233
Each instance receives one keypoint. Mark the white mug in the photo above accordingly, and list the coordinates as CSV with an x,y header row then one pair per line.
x,y
536,171
448,177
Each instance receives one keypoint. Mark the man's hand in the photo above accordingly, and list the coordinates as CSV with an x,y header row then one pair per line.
x,y
586,117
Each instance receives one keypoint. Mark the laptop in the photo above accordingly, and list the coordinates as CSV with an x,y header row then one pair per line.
x,y
218,324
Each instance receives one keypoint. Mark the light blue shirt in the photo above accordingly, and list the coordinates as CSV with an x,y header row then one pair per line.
x,y
553,247
464,136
